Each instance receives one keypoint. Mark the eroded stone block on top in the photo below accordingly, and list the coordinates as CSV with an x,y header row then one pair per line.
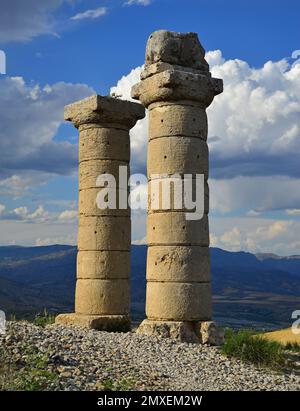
x,y
182,49
104,110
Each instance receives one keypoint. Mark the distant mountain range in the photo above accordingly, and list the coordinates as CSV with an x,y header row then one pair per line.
x,y
248,290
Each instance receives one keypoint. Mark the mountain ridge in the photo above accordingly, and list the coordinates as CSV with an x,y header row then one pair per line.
x,y
247,290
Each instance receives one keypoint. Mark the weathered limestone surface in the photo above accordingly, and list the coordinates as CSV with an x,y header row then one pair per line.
x,y
171,119
172,228
102,298
90,170
108,297
120,323
164,194
104,144
176,48
178,264
178,301
104,233
107,112
176,87
103,264
203,332
172,155
90,197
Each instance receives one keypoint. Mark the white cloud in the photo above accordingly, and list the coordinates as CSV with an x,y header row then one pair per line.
x,y
253,213
68,215
90,14
139,133
294,212
256,235
254,131
40,215
254,151
254,126
255,123
30,117
255,194
141,241
138,2
124,85
23,20
232,237
254,143
18,185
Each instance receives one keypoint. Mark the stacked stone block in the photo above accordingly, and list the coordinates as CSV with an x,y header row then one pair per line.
x,y
176,87
102,298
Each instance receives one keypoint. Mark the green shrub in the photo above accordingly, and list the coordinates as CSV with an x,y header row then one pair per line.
x,y
292,347
31,376
253,348
44,319
125,384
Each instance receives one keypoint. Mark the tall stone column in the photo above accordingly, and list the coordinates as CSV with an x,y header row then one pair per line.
x,y
102,299
176,87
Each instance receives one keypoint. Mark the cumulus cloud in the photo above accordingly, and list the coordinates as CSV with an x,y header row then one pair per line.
x,y
139,133
18,185
90,14
39,215
23,20
255,123
256,235
30,117
254,126
254,139
254,131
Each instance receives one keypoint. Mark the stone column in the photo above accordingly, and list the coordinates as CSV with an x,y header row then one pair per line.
x,y
176,87
102,298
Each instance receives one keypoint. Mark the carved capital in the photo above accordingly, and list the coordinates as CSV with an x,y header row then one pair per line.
x,y
105,111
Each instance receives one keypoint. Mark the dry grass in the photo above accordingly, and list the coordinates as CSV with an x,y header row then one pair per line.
x,y
284,337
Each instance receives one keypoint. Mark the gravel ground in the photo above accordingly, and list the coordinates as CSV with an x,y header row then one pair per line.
x,y
90,360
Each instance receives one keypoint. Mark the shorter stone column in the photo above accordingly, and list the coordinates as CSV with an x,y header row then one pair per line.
x,y
102,298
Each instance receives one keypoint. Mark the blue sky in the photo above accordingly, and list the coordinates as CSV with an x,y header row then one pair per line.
x,y
60,51
99,51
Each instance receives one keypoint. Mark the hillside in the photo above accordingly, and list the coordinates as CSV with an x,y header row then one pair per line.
x,y
249,290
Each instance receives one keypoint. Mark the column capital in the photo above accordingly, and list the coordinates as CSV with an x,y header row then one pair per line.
x,y
175,70
104,111
177,85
